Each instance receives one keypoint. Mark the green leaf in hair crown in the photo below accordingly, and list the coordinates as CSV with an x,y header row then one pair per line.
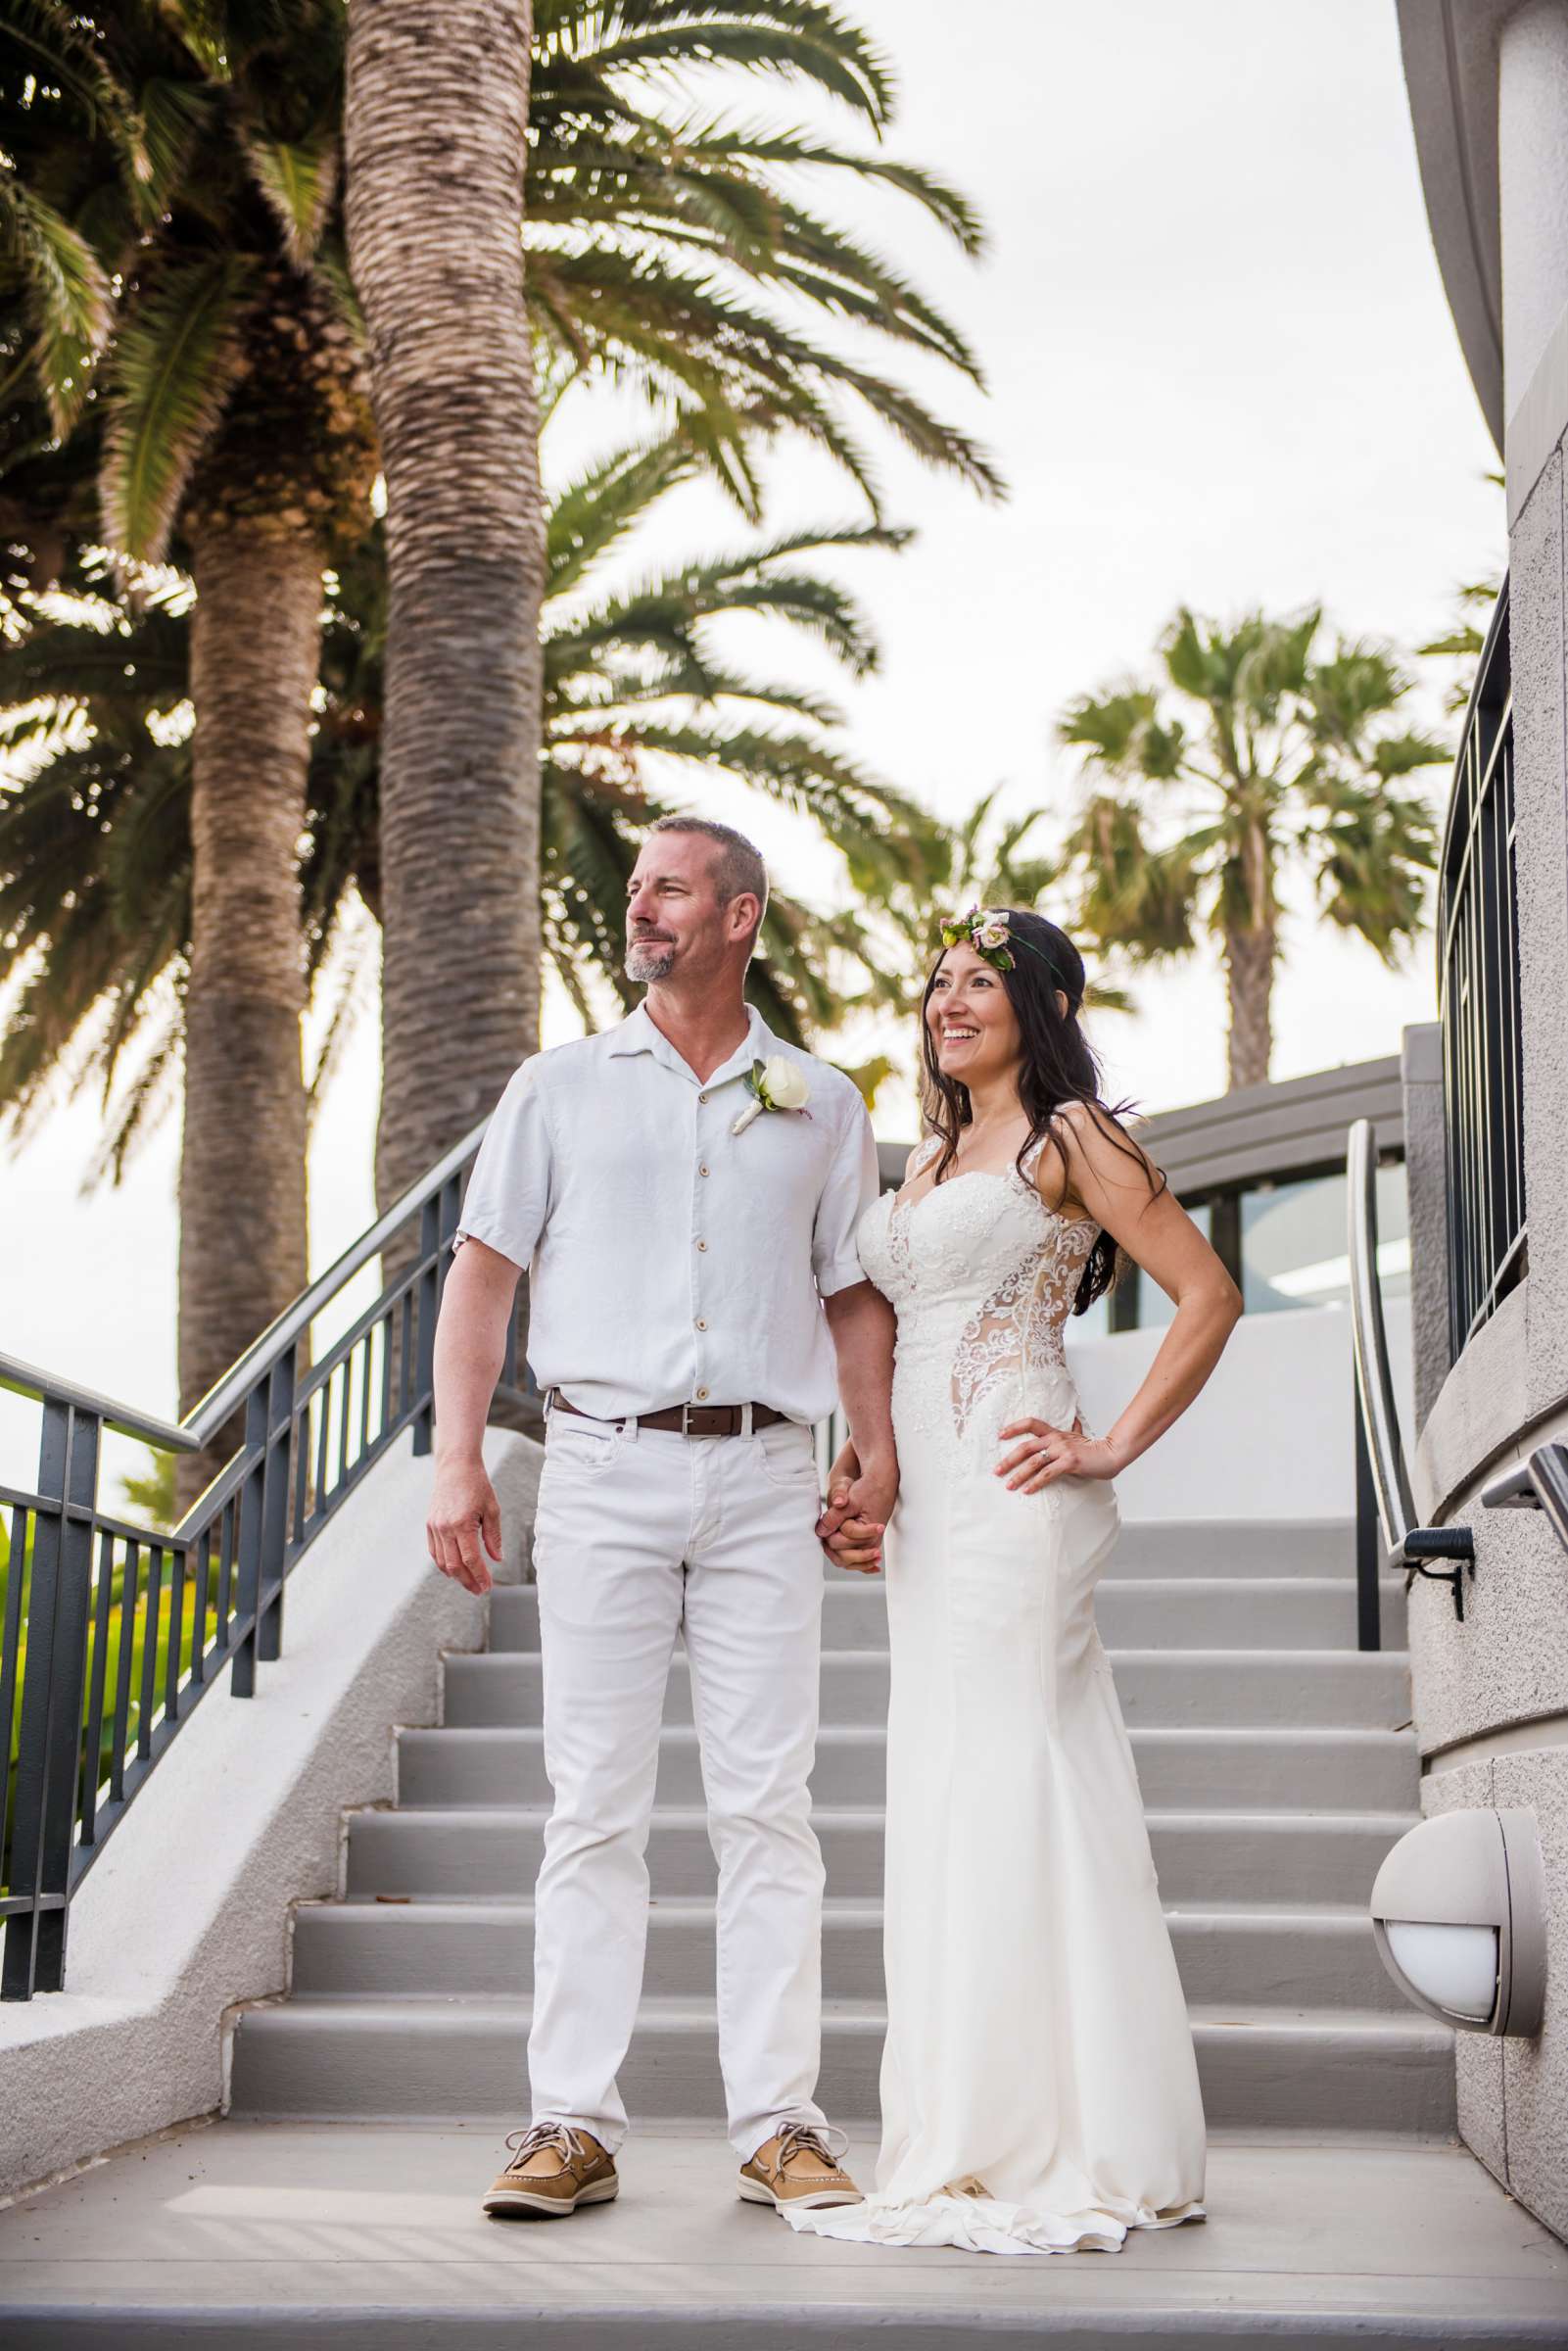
x,y
983,929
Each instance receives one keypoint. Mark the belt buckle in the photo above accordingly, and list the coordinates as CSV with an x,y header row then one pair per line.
x,y
728,1419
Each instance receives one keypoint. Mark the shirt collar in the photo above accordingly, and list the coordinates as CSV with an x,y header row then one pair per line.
x,y
638,1033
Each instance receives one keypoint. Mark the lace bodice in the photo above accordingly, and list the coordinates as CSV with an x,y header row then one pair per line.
x,y
982,1277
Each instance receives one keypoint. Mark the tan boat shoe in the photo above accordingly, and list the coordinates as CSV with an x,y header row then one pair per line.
x,y
557,2166
799,2169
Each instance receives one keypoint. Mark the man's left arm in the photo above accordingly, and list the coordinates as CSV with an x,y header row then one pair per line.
x,y
860,1320
863,1326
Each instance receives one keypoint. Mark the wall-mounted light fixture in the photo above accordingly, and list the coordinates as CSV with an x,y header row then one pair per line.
x,y
1459,1919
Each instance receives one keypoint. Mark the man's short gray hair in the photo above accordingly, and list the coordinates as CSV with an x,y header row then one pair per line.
x,y
737,868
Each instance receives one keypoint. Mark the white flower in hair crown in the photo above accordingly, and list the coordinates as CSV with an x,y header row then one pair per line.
x,y
990,933
777,1083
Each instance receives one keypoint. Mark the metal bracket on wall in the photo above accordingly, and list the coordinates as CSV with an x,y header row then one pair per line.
x,y
1540,1482
1456,1544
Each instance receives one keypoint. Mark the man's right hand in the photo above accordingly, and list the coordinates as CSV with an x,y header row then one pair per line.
x,y
462,1510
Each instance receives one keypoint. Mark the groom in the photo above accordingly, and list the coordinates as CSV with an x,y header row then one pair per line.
x,y
692,1290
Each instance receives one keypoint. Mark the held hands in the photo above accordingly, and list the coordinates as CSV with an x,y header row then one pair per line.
x,y
860,1503
1047,1454
462,1508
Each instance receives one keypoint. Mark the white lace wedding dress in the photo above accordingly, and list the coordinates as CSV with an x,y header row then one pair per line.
x,y
1039,2089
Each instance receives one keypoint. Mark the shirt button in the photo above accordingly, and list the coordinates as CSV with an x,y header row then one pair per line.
x,y
702,1170
702,1097
702,1392
701,1325
702,1244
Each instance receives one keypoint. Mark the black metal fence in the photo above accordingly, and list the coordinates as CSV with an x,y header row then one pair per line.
x,y
110,1633
1478,983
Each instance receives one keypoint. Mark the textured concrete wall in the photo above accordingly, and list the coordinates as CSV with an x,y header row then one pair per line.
x,y
1507,1662
1533,184
1539,646
1491,1694
187,1911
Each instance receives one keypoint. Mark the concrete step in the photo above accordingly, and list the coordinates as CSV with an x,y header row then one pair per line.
x,y
1216,1612
465,2056
1160,1689
1275,1955
1239,1771
368,2236
1201,1858
1233,1612
1225,1546
1240,1547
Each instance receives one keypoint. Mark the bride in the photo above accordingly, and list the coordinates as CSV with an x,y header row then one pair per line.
x,y
1039,2090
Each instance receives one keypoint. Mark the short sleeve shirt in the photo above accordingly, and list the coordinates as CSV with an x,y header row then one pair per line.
x,y
670,1260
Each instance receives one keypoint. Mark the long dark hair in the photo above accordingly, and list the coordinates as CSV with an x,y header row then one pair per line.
x,y
1058,1065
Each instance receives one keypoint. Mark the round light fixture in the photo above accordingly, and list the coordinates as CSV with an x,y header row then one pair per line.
x,y
1459,1919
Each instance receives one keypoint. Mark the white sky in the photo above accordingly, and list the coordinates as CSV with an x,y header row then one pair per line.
x,y
1221,370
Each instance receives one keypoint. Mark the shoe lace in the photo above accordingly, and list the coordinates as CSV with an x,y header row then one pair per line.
x,y
815,2138
539,2135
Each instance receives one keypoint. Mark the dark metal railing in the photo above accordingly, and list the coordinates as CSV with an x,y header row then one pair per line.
x,y
110,1633
1478,994
1384,1502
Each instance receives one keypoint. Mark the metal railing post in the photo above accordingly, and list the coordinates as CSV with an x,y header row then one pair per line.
x,y
248,1545
277,1473
438,1222
49,1743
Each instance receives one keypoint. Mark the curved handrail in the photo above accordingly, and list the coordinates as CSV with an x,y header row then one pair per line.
x,y
209,1413
1537,1483
1374,1383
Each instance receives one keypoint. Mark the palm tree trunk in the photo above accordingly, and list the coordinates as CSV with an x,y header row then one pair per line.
x,y
435,125
255,653
1250,982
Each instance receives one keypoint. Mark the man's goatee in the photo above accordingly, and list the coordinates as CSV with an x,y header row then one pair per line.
x,y
649,962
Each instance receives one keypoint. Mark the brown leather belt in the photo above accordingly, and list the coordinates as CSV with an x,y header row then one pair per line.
x,y
689,1419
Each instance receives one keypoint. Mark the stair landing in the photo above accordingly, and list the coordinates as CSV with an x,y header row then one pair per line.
x,y
370,2236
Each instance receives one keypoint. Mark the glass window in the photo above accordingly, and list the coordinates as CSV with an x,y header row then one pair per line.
x,y
1292,1242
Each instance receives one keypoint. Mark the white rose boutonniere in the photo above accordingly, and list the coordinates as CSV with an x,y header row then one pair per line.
x,y
775,1083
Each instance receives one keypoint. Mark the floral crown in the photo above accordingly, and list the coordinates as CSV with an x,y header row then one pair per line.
x,y
989,932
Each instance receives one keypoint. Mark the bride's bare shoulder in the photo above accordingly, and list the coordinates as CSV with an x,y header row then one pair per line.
x,y
1095,1153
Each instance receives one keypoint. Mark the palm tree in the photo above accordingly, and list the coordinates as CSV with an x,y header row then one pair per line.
x,y
173,245
95,846
985,860
1252,754
663,248
174,187
1463,641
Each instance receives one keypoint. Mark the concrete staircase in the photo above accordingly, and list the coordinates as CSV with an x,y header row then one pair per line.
x,y
1277,1765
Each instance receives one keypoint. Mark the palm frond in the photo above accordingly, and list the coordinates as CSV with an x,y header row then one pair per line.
x,y
174,364
298,181
66,293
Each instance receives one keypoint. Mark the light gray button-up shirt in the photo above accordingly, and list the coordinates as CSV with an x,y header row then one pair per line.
x,y
670,1261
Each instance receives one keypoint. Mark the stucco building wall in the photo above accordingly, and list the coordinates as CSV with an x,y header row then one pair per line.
x,y
1491,1693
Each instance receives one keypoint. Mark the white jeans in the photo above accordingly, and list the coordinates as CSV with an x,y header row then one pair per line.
x,y
643,1534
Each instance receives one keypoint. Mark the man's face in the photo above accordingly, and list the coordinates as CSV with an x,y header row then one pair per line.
x,y
673,917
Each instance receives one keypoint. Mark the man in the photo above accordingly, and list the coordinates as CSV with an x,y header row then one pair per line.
x,y
691,1287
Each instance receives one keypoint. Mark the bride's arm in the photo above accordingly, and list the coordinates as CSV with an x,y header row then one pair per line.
x,y
1112,1185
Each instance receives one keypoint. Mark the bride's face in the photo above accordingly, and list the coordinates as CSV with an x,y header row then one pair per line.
x,y
975,1032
